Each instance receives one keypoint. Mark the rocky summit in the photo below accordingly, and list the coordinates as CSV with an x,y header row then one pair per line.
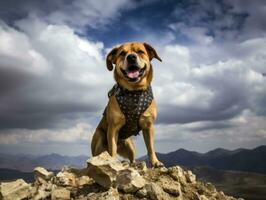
x,y
107,178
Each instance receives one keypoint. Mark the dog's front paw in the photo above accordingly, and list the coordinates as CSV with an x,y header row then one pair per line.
x,y
156,163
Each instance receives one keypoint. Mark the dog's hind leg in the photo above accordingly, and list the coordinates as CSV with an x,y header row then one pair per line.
x,y
126,148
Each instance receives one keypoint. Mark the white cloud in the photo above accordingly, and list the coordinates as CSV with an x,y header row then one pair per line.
x,y
18,53
80,133
61,73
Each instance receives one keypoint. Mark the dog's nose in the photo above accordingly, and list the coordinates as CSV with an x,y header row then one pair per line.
x,y
131,58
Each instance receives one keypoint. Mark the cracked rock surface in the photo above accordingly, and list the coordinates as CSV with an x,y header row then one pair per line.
x,y
106,178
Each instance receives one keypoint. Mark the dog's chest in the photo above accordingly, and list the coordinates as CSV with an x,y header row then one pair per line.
x,y
132,104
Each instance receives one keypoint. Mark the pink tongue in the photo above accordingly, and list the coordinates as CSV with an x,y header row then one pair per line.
x,y
134,74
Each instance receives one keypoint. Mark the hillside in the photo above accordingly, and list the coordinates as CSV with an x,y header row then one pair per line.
x,y
239,160
250,186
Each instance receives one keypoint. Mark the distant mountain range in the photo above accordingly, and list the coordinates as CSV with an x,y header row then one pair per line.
x,y
253,160
26,163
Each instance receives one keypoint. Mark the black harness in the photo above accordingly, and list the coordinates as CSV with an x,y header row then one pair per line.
x,y
132,104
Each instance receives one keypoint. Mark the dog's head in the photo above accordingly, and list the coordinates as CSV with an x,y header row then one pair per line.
x,y
132,63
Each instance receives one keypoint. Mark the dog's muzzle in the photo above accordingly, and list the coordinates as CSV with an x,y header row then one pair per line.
x,y
133,72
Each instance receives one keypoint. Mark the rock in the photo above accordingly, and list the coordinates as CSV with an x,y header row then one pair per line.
x,y
65,178
40,172
15,190
155,192
111,194
41,194
203,197
190,177
109,179
173,188
104,169
84,180
141,167
129,180
60,194
142,193
177,174
163,170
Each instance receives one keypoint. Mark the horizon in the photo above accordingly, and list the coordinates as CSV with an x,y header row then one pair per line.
x,y
210,88
40,155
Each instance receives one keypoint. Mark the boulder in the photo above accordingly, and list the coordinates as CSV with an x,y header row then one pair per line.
x,y
83,180
129,180
42,194
60,194
190,177
15,190
173,188
177,174
65,178
155,192
41,173
104,169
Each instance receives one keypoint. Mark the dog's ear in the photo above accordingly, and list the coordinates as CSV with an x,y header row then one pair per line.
x,y
151,52
110,59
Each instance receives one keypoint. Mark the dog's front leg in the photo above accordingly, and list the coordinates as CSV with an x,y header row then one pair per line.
x,y
112,137
148,134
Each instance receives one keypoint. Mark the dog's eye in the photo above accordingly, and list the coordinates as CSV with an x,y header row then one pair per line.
x,y
122,53
140,52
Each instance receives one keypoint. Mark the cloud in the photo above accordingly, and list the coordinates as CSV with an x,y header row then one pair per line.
x,y
49,72
79,134
188,90
244,130
78,14
209,88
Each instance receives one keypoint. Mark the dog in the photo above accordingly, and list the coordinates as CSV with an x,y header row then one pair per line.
x,y
131,106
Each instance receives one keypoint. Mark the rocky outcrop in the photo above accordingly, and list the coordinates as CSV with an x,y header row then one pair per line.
x,y
106,178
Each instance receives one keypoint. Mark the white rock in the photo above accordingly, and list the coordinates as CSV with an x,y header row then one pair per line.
x,y
104,169
190,177
40,172
177,174
129,180
155,192
65,179
15,190
60,194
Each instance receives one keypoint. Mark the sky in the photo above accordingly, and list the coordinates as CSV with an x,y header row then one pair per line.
x,y
210,88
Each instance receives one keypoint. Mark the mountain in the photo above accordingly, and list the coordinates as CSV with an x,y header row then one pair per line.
x,y
252,160
27,163
239,160
250,186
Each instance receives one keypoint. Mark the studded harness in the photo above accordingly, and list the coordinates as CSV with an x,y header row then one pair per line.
x,y
132,104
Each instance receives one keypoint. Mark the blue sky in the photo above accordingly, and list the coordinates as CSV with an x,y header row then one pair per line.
x,y
210,87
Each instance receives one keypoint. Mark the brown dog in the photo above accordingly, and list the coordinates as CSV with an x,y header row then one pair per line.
x,y
131,106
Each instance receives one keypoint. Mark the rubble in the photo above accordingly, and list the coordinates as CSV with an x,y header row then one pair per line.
x,y
106,178
14,190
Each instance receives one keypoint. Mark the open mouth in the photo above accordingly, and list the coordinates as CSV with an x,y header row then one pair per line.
x,y
132,73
